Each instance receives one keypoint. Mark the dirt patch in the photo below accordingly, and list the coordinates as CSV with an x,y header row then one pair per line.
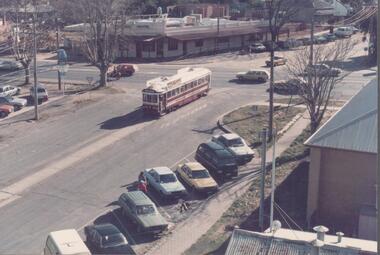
x,y
248,121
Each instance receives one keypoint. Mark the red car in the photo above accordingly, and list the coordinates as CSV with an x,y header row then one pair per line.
x,y
121,70
5,110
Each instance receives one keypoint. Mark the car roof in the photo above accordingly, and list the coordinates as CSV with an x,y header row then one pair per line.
x,y
214,146
162,170
138,197
194,166
69,241
230,136
259,70
106,229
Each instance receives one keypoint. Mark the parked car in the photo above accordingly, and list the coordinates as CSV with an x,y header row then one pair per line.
x,y
8,90
343,32
121,70
236,145
305,41
16,102
322,70
320,39
197,177
253,75
268,45
330,37
63,242
42,93
354,29
164,181
276,61
106,239
217,159
137,207
5,110
8,65
257,47
289,87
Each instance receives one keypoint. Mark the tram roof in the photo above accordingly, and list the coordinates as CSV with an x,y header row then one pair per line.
x,y
183,75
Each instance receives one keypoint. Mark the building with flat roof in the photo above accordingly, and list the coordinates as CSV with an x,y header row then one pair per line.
x,y
160,37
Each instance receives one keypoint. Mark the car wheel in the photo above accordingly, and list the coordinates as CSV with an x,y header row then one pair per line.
x,y
261,80
17,107
3,114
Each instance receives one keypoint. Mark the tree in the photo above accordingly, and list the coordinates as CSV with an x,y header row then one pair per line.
x,y
317,93
22,36
100,38
279,13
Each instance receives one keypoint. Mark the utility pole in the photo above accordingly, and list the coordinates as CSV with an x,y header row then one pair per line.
x,y
263,136
57,46
272,28
36,117
273,179
311,57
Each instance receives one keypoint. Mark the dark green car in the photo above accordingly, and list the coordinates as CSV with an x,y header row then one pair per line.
x,y
142,211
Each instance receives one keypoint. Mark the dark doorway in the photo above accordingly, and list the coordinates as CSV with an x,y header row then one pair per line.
x,y
184,47
160,48
138,49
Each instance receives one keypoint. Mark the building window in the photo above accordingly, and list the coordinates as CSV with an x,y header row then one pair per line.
x,y
148,46
172,44
199,43
224,40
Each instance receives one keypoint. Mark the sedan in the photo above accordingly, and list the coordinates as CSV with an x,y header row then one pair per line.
x,y
107,239
8,90
320,39
5,110
7,65
17,103
323,70
257,47
330,37
236,145
197,177
164,181
277,61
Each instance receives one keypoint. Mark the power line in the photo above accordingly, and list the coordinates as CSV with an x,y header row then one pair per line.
x,y
290,218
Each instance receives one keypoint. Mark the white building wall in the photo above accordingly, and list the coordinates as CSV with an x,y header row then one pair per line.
x,y
192,49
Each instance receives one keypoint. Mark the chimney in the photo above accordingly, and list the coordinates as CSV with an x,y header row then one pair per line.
x,y
340,236
321,230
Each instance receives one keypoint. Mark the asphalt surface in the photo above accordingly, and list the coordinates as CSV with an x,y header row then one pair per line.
x,y
67,170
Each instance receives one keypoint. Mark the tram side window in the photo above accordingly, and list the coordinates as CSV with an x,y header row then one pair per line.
x,y
208,78
169,94
177,91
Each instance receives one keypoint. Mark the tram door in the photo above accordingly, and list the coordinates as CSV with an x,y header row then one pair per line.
x,y
162,103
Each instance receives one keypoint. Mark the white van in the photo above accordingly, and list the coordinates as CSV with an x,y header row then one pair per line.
x,y
65,242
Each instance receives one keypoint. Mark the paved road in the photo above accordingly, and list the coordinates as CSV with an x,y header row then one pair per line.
x,y
68,170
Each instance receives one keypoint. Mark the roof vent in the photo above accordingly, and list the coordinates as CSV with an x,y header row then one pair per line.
x,y
321,230
340,236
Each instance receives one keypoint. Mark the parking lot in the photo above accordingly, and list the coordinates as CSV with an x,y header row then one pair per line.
x,y
168,208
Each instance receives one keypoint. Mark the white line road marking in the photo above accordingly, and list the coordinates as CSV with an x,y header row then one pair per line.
x,y
14,190
125,229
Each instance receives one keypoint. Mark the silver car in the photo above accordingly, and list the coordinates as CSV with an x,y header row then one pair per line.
x,y
8,90
236,145
16,102
165,182
8,65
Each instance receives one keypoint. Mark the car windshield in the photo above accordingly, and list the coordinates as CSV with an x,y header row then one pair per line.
x,y
166,178
237,142
145,209
113,240
201,174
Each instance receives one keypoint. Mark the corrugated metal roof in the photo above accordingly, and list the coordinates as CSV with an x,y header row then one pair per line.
x,y
245,242
354,127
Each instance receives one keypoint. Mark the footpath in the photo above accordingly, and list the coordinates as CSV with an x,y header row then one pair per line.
x,y
189,231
